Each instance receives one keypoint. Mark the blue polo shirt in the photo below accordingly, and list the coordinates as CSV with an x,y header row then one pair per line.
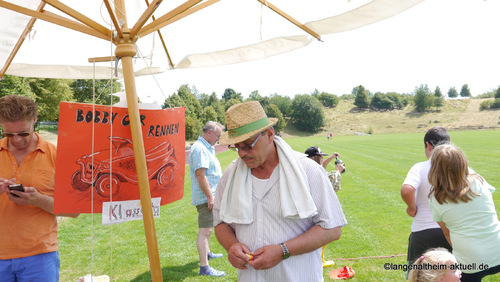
x,y
202,155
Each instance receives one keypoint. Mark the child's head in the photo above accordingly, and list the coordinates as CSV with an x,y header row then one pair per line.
x,y
448,175
442,267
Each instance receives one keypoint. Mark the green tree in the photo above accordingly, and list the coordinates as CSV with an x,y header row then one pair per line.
x,y
218,107
398,100
438,102
452,92
15,85
361,100
437,92
83,90
49,93
307,113
203,99
328,100
193,128
254,96
229,94
209,114
381,101
230,103
423,98
193,107
354,90
497,93
465,91
173,101
273,111
284,103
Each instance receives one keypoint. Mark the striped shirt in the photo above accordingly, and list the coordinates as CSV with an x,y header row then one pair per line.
x,y
202,155
269,227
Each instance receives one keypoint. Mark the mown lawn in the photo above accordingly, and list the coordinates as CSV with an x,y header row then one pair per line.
x,y
377,232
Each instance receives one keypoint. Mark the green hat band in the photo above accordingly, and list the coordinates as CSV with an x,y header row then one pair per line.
x,y
248,127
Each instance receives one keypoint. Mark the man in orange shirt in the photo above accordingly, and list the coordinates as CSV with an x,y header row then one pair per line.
x,y
28,240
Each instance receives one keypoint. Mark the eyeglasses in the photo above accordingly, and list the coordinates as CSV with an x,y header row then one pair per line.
x,y
10,135
216,135
246,148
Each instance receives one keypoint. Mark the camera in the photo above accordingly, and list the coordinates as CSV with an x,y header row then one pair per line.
x,y
339,161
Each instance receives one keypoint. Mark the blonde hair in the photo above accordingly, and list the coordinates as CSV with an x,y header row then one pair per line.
x,y
437,256
449,175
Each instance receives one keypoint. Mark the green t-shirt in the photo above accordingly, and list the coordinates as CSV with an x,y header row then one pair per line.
x,y
474,227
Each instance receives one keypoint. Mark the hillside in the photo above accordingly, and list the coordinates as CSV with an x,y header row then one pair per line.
x,y
346,119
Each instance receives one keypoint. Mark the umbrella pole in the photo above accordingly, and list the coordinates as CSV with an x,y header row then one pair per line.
x,y
126,52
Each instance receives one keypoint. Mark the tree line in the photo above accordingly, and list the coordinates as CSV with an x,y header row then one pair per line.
x,y
48,93
304,111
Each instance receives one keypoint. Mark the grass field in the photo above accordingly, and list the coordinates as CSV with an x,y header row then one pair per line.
x,y
377,232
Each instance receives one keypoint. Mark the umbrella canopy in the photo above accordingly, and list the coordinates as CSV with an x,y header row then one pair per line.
x,y
215,32
193,33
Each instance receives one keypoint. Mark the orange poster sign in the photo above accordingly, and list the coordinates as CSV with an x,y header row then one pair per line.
x,y
95,157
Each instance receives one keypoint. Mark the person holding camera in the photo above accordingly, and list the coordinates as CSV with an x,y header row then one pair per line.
x,y
314,153
28,241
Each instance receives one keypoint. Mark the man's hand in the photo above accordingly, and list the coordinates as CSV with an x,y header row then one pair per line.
x,y
28,197
205,186
237,255
31,196
267,257
4,184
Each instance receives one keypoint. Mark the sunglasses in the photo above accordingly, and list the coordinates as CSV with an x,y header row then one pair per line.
x,y
246,148
10,135
22,134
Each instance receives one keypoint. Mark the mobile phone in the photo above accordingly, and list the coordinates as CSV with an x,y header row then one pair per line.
x,y
17,187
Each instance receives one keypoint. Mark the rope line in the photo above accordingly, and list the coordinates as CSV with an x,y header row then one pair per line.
x,y
370,257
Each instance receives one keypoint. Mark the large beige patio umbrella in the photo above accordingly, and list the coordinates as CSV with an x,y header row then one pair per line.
x,y
100,39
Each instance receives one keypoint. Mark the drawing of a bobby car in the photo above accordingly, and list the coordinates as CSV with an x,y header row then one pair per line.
x,y
160,160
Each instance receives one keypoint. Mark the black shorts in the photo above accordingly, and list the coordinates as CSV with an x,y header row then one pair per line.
x,y
420,241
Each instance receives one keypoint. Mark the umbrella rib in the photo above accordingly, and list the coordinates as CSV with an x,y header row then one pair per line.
x,y
170,63
114,18
20,41
289,18
55,19
166,19
78,16
145,17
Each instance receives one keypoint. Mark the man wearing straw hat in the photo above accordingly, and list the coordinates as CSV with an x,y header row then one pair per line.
x,y
274,207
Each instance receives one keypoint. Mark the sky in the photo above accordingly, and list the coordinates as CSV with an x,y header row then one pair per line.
x,y
445,43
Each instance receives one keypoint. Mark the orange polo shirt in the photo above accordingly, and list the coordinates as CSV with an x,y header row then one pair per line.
x,y
26,230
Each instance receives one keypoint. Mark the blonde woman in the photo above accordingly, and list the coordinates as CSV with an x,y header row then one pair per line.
x,y
462,205
435,265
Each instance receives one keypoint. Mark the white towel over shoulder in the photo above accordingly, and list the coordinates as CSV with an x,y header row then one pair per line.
x,y
296,200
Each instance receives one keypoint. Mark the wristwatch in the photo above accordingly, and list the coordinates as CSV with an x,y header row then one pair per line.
x,y
286,254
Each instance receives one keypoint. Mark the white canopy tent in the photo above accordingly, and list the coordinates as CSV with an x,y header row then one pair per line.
x,y
98,39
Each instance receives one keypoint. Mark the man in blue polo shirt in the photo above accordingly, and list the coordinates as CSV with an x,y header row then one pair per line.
x,y
205,172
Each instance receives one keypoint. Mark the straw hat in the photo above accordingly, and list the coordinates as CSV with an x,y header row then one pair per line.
x,y
244,121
